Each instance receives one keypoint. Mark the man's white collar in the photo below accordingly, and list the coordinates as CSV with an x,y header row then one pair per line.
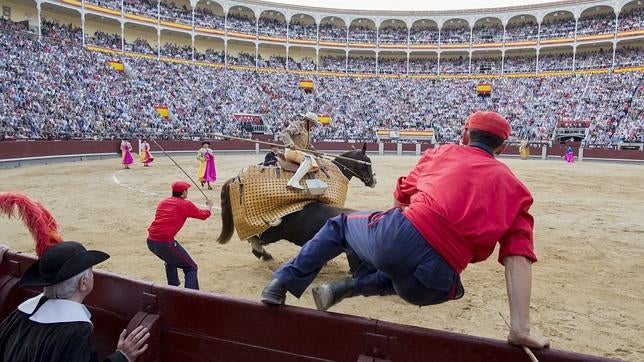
x,y
55,311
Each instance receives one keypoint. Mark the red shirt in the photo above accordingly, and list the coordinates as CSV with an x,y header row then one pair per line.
x,y
170,216
462,200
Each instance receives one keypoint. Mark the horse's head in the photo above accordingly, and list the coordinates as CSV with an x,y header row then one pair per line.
x,y
357,163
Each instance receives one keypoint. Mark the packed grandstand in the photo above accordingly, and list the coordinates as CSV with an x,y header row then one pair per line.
x,y
569,66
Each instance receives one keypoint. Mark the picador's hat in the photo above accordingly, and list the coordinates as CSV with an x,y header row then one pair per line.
x,y
312,117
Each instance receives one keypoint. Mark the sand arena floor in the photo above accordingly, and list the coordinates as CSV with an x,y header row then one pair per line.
x,y
588,289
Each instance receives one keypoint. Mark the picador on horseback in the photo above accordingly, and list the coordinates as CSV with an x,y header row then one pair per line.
x,y
265,203
297,137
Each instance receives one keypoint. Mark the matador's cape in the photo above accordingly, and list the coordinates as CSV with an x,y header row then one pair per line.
x,y
258,195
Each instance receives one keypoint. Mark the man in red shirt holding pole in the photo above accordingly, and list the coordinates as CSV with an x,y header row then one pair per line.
x,y
170,216
449,211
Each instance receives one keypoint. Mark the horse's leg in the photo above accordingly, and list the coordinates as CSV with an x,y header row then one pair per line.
x,y
258,249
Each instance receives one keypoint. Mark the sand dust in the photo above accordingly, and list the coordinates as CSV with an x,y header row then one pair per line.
x,y
588,288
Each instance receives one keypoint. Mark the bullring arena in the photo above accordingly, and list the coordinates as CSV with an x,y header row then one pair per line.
x,y
588,238
77,76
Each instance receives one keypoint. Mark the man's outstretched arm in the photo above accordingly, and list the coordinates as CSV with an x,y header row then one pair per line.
x,y
518,279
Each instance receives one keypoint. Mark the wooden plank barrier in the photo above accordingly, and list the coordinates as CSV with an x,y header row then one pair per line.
x,y
189,325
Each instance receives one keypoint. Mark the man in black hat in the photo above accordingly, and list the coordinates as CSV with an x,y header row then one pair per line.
x,y
55,325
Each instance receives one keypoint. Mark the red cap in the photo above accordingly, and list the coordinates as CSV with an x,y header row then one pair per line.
x,y
490,122
180,186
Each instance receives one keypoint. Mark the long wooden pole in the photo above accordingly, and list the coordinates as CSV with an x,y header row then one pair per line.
x,y
317,153
180,168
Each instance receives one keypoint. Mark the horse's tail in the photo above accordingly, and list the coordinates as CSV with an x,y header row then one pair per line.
x,y
227,222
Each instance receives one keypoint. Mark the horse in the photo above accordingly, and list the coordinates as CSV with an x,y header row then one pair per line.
x,y
299,227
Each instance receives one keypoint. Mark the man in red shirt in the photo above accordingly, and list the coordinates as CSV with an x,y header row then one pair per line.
x,y
170,216
449,211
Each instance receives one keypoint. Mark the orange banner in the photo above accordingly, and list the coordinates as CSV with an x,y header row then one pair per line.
x,y
117,65
484,88
325,119
306,84
162,110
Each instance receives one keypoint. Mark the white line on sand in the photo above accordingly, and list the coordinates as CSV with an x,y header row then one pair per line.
x,y
148,193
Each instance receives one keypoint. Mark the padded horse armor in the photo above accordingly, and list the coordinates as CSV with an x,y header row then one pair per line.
x,y
258,195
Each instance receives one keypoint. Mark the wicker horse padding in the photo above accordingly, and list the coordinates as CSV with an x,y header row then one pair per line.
x,y
259,195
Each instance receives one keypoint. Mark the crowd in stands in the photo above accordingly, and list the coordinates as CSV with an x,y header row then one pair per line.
x,y
359,33
625,56
272,27
454,65
298,30
390,34
629,56
392,66
331,32
57,89
66,32
358,64
243,59
147,8
557,26
522,31
241,23
554,62
206,18
455,35
105,40
631,20
593,59
139,46
423,35
175,51
332,63
519,64
211,56
486,66
488,34
110,4
598,24
274,61
423,65
170,11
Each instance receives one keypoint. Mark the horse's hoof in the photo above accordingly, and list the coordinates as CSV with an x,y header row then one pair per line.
x,y
258,254
267,257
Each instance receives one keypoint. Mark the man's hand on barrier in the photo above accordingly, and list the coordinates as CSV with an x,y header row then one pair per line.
x,y
528,340
134,344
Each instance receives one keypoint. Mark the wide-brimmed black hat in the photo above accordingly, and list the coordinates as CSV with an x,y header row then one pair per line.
x,y
59,263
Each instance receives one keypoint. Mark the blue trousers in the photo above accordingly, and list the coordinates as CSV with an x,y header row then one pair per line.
x,y
175,256
396,259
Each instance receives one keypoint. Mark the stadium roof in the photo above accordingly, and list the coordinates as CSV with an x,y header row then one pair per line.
x,y
412,5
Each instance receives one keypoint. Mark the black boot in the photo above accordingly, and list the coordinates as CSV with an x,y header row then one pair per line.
x,y
274,293
329,294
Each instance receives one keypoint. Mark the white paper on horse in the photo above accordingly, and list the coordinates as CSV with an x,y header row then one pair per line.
x,y
259,195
